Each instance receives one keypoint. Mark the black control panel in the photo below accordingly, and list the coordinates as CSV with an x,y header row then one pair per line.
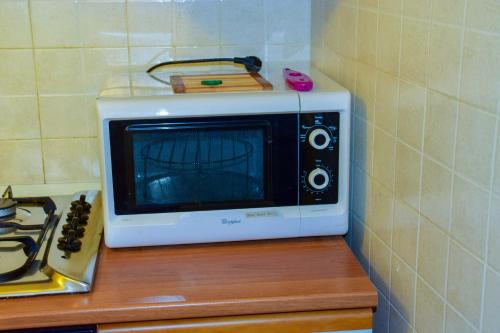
x,y
74,228
319,156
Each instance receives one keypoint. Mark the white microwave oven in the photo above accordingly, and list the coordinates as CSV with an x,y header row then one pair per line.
x,y
215,167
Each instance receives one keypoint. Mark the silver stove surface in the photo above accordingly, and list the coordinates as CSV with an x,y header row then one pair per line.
x,y
53,271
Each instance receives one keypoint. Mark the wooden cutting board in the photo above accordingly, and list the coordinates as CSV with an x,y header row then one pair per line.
x,y
182,84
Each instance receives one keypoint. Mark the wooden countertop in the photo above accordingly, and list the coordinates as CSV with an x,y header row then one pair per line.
x,y
205,280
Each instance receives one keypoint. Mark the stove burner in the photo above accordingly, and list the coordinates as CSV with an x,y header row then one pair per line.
x,y
29,245
7,204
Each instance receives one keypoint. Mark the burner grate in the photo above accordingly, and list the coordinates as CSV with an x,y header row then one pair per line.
x,y
28,244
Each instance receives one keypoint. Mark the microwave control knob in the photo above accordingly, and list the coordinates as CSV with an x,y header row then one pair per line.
x,y
319,179
319,138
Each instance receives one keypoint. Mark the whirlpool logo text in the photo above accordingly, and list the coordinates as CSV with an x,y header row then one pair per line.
x,y
230,221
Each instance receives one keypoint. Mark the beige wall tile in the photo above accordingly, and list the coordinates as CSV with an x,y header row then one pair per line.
x,y
411,111
384,158
436,193
456,324
77,43
481,72
381,212
347,73
233,13
367,36
386,102
363,144
404,239
433,78
145,57
475,144
432,255
102,23
465,282
318,60
496,180
491,319
280,29
347,31
444,59
407,175
414,50
391,6
68,116
332,19
440,127
484,15
275,53
397,323
380,265
448,11
494,234
366,78
381,315
361,196
469,215
403,288
368,3
100,63
21,162
418,9
17,65
360,243
55,23
150,23
60,71
388,43
197,23
195,52
318,30
15,29
429,313
70,160
19,118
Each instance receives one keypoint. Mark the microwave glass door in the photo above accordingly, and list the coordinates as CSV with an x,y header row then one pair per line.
x,y
205,163
202,164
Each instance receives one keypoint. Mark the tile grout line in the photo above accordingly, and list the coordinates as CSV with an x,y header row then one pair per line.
x,y
353,109
129,51
417,150
487,235
35,68
453,176
373,234
453,172
422,145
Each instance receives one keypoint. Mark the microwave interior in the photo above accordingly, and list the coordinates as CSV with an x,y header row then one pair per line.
x,y
186,164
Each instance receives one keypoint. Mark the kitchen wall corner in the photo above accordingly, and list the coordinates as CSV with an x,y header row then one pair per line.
x,y
425,219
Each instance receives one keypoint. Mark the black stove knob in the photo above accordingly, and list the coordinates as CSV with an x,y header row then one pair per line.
x,y
79,220
79,215
62,241
70,242
74,246
79,230
81,202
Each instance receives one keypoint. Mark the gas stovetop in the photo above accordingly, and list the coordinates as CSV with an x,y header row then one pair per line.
x,y
48,245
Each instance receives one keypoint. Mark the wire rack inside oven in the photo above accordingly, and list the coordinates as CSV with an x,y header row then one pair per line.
x,y
196,153
199,167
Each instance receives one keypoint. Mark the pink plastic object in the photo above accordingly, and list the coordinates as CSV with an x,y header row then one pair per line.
x,y
297,81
